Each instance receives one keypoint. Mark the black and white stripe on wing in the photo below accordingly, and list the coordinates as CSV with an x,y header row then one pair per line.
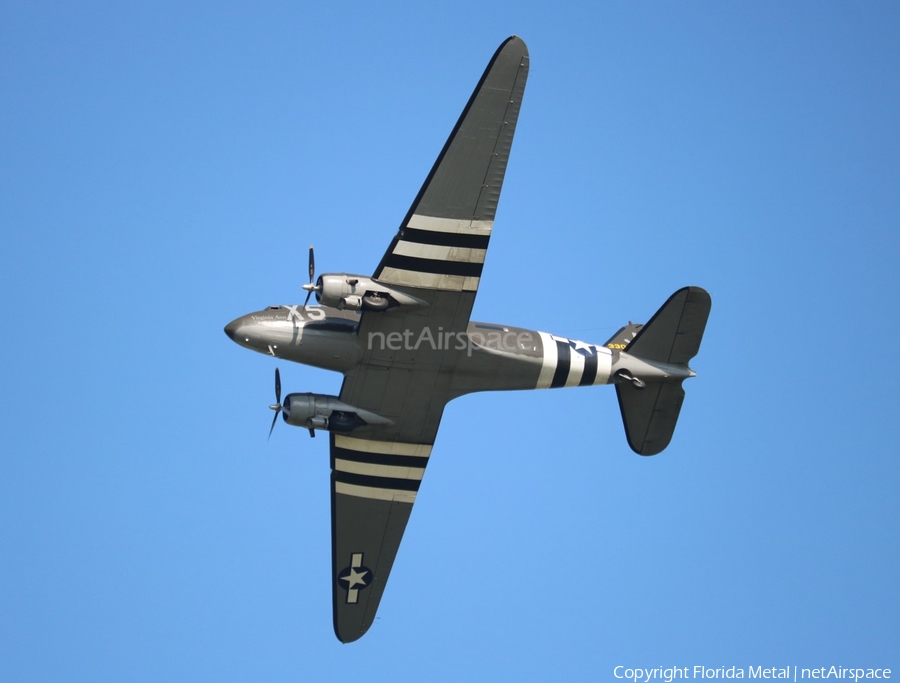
x,y
445,239
437,253
430,265
379,470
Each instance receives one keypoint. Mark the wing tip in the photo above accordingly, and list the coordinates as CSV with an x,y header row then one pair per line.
x,y
349,633
346,639
513,41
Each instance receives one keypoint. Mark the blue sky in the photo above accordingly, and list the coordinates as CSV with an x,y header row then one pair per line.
x,y
164,169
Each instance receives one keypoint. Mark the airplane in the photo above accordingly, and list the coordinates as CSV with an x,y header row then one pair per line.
x,y
403,340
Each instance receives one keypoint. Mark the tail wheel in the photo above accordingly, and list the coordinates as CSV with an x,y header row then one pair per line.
x,y
628,377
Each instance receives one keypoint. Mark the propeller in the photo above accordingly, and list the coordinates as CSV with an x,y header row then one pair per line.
x,y
277,407
310,288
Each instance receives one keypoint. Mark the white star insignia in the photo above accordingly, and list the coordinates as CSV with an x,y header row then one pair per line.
x,y
583,348
355,578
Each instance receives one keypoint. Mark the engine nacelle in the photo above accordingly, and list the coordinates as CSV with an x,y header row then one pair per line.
x,y
320,411
355,292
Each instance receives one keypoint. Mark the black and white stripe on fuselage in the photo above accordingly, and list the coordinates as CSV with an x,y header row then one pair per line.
x,y
571,363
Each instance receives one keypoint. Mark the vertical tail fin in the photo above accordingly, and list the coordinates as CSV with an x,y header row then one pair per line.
x,y
674,332
671,338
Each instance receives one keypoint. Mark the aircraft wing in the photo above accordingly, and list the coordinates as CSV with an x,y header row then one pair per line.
x,y
442,241
404,376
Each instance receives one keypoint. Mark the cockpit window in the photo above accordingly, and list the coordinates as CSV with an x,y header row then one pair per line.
x,y
274,308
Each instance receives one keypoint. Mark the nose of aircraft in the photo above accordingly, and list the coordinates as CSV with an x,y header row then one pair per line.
x,y
232,328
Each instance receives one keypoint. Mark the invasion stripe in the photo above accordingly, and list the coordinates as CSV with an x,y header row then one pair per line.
x,y
562,367
354,443
548,363
378,470
390,495
383,471
381,458
436,252
444,239
422,265
590,371
377,482
576,367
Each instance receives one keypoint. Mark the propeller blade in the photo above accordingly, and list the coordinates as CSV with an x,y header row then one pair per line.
x,y
274,420
277,405
310,288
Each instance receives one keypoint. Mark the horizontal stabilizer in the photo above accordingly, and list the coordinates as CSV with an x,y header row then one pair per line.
x,y
650,414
